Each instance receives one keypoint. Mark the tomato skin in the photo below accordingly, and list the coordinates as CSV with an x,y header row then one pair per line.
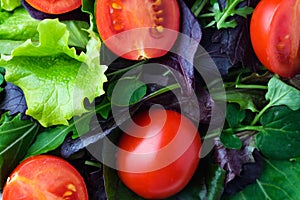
x,y
45,177
138,30
162,156
55,7
275,35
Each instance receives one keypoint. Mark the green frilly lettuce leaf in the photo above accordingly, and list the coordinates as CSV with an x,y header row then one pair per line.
x,y
15,28
55,80
9,5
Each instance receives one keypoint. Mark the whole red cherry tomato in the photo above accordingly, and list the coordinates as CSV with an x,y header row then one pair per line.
x,y
275,35
45,177
56,6
158,154
138,29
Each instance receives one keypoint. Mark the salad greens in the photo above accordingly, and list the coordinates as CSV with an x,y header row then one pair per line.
x,y
221,13
56,97
9,5
54,79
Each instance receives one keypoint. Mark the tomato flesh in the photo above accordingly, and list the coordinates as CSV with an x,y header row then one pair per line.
x,y
54,6
161,157
275,35
138,29
45,178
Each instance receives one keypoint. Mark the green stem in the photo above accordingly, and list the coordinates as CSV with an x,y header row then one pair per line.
x,y
225,15
198,6
258,116
244,128
244,86
127,68
207,15
92,164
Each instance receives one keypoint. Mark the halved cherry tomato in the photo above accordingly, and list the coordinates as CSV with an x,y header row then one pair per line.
x,y
55,6
275,35
138,29
159,154
45,177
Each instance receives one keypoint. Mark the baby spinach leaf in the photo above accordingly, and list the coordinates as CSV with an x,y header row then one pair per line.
x,y
16,136
125,92
48,140
234,116
54,79
244,99
279,93
230,140
279,180
52,137
280,129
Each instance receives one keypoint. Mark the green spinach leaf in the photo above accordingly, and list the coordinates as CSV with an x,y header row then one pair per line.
x,y
16,136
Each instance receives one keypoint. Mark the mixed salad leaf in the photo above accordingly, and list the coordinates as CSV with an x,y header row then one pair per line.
x,y
57,80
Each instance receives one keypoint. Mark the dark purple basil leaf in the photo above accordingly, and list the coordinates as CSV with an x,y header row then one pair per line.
x,y
250,173
72,15
243,166
14,100
232,47
185,47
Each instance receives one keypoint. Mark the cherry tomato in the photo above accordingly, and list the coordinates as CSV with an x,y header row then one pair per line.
x,y
158,153
54,6
138,29
275,35
45,177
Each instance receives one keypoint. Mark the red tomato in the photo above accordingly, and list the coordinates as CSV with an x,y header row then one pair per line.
x,y
54,6
45,177
159,155
275,35
138,29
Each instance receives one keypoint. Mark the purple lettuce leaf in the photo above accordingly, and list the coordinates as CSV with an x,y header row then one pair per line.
x,y
232,47
13,100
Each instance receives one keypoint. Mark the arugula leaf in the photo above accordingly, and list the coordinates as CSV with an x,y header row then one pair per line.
x,y
9,5
279,180
54,79
280,129
16,136
221,16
